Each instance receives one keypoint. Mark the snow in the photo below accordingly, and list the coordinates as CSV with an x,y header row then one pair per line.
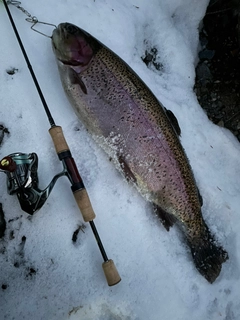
x,y
159,280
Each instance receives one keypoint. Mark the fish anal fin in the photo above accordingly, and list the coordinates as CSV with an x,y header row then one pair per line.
x,y
166,218
173,121
75,78
126,170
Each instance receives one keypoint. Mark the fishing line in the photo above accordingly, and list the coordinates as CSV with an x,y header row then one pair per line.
x,y
24,166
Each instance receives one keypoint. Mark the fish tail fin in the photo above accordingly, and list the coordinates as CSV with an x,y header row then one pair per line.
x,y
208,256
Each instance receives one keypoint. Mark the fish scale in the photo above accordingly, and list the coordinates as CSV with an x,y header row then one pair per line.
x,y
131,125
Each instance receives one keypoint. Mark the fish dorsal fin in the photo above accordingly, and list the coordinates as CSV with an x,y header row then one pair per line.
x,y
75,78
173,121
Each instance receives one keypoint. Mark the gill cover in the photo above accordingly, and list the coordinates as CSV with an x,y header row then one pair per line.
x,y
72,46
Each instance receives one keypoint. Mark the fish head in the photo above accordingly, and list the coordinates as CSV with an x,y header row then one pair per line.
x,y
73,46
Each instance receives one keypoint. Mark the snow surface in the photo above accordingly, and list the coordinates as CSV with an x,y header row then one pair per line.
x,y
159,280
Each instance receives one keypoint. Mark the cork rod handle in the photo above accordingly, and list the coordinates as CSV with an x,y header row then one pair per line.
x,y
111,272
58,139
80,194
84,204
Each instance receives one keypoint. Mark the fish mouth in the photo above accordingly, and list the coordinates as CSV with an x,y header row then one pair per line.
x,y
63,33
60,36
55,37
58,33
70,63
65,29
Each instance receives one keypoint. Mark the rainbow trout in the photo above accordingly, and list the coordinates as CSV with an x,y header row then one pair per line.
x,y
137,132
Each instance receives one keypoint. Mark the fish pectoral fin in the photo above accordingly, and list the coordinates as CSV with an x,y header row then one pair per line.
x,y
173,121
126,170
75,78
166,218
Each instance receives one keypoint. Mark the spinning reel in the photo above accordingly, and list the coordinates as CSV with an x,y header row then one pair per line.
x,y
22,179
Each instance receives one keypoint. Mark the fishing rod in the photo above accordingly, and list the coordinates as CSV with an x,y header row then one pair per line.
x,y
22,177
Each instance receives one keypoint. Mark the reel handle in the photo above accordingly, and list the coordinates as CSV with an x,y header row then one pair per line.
x,y
7,164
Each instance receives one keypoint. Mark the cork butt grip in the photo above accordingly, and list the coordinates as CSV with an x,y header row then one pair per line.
x,y
84,205
111,273
58,139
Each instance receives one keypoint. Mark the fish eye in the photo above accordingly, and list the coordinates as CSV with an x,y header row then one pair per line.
x,y
71,29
